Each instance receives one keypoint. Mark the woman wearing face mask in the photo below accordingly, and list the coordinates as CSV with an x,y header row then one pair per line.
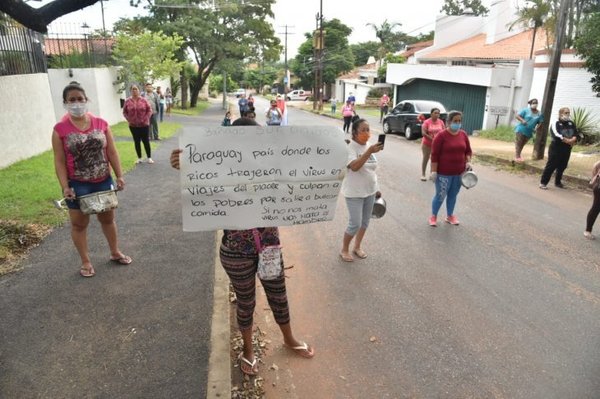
x,y
360,188
84,154
530,120
137,111
430,128
273,115
450,157
564,137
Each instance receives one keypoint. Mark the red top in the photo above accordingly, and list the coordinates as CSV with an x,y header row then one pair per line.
x,y
137,112
450,152
85,150
432,129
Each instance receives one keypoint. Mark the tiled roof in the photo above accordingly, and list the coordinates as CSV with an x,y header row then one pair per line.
x,y
68,46
413,48
516,47
356,72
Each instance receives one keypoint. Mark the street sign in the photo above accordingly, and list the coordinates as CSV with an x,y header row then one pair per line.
x,y
498,110
285,80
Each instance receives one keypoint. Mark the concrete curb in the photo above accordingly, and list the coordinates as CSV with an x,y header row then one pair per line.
x,y
219,363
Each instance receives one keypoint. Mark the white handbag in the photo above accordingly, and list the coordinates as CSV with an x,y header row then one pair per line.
x,y
270,259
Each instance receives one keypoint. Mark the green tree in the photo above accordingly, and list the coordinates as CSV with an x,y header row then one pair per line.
x,y
147,56
337,57
533,15
458,7
389,59
587,46
389,40
232,31
362,52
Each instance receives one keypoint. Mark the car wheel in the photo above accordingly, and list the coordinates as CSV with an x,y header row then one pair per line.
x,y
386,127
408,133
288,99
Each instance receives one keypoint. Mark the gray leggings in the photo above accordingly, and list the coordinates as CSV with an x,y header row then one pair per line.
x,y
360,210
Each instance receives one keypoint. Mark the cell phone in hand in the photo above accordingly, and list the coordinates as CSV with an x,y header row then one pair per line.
x,y
381,140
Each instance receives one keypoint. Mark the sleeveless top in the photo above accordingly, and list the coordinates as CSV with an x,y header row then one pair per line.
x,y
85,150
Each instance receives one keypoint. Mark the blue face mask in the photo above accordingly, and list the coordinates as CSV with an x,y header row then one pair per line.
x,y
455,126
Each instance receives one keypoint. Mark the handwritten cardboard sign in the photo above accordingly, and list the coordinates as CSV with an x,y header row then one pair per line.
x,y
241,177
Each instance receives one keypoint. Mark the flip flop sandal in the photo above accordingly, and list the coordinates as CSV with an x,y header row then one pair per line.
x,y
303,350
346,257
122,260
252,364
360,253
87,271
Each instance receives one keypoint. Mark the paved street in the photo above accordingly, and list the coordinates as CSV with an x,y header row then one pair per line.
x,y
503,306
506,305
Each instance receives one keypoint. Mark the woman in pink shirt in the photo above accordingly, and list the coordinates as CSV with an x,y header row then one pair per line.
x,y
84,154
429,129
137,111
450,157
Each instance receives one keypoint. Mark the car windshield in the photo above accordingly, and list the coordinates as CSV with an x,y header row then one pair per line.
x,y
426,106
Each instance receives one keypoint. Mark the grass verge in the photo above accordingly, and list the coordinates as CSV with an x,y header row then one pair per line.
x,y
27,212
200,107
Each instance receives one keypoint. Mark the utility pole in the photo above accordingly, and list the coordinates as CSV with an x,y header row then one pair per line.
x,y
104,31
539,146
321,48
318,57
286,79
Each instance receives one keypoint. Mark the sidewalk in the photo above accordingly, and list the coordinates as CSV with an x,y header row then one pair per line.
x,y
141,331
578,173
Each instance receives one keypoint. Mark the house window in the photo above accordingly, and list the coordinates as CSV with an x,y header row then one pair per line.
x,y
355,87
459,62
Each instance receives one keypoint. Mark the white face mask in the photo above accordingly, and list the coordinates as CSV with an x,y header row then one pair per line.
x,y
76,109
533,106
565,118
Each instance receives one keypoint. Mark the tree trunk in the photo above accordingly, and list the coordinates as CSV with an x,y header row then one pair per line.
x,y
184,90
38,19
533,42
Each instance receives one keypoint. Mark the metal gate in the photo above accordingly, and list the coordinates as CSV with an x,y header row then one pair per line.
x,y
466,98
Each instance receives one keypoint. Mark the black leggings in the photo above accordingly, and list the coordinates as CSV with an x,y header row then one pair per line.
x,y
594,211
347,120
141,134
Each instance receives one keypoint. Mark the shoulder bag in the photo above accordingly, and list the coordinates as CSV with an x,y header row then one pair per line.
x,y
270,261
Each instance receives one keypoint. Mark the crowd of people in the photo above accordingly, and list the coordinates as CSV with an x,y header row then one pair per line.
x,y
85,159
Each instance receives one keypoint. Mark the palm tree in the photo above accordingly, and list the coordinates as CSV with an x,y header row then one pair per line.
x,y
386,35
536,13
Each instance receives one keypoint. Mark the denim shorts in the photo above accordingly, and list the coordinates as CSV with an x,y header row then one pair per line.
x,y
83,188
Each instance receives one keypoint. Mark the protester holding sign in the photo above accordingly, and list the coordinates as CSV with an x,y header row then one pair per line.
x,y
239,254
360,188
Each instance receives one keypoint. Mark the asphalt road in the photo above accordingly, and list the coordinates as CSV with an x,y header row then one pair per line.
x,y
141,331
506,305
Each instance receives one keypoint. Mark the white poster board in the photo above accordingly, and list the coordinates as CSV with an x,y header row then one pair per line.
x,y
241,177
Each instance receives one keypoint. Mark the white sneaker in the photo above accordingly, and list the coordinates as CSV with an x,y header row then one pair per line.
x,y
150,160
139,160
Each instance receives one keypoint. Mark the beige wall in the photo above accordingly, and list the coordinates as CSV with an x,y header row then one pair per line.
x,y
27,117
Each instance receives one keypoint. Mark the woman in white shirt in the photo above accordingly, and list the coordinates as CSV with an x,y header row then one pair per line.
x,y
360,188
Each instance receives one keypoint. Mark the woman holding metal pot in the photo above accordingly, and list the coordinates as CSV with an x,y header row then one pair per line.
x,y
84,154
360,188
450,158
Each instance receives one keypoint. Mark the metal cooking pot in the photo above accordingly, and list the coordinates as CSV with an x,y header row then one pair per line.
x,y
468,179
378,208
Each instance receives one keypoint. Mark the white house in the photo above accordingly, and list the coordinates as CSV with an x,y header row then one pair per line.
x,y
479,66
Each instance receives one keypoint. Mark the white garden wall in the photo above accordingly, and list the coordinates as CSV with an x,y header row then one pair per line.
x,y
104,97
27,117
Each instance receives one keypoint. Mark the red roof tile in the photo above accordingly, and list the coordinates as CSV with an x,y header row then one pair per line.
x,y
516,47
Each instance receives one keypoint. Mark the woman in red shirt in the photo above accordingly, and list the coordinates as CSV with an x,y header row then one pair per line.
x,y
137,111
450,157
429,129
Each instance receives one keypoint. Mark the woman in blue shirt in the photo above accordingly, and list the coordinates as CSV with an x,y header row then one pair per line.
x,y
529,119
